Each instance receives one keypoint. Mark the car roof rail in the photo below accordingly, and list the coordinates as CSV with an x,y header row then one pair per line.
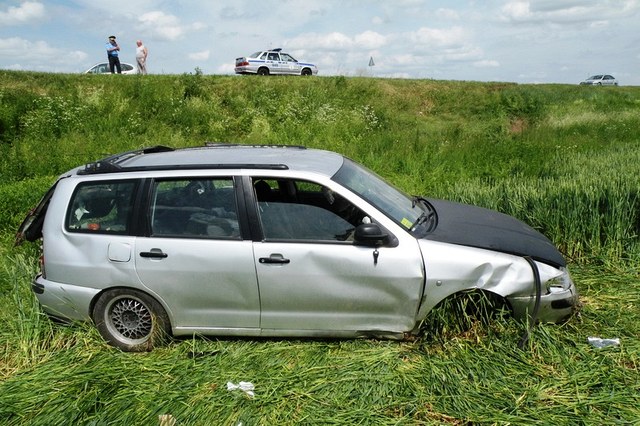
x,y
109,164
238,145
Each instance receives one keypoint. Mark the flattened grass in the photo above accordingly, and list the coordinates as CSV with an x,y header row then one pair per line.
x,y
68,375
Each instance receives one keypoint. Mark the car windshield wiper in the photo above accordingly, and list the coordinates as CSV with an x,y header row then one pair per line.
x,y
428,216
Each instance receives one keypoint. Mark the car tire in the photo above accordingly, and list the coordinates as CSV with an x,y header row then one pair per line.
x,y
263,71
131,320
306,71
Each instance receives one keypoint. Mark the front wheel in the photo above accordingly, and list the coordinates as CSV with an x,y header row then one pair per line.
x,y
306,71
130,320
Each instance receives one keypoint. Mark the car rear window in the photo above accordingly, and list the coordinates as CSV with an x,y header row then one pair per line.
x,y
101,207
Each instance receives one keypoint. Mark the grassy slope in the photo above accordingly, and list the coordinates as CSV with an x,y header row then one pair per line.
x,y
563,158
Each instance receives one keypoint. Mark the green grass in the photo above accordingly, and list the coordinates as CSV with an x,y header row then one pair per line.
x,y
68,375
565,159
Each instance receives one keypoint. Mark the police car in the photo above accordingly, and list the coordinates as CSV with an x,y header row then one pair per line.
x,y
273,61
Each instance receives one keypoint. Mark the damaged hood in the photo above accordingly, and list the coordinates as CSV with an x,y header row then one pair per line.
x,y
488,229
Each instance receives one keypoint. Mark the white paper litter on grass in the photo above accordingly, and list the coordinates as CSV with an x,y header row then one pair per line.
x,y
598,342
246,387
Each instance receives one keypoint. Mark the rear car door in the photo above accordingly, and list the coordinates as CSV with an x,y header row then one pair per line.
x,y
313,277
194,258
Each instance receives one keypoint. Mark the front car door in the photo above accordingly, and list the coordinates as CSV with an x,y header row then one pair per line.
x,y
314,279
194,258
289,64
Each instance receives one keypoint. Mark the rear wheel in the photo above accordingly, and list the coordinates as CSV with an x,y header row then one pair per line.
x,y
130,320
263,71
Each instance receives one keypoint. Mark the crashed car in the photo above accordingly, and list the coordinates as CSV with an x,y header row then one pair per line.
x,y
273,61
233,240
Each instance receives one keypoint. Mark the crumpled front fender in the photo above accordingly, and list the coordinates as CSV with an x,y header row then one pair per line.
x,y
454,268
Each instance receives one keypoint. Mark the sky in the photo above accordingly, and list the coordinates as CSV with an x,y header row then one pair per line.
x,y
521,41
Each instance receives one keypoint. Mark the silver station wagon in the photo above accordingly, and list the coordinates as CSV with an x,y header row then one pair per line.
x,y
235,240
273,61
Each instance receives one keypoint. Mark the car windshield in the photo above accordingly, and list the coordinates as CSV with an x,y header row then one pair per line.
x,y
595,77
407,211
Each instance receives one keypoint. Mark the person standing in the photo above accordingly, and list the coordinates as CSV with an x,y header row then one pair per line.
x,y
141,57
112,54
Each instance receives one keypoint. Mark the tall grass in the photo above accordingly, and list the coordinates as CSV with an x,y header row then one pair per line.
x,y
564,159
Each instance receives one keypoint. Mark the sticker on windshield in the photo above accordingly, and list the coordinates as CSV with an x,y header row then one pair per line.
x,y
406,222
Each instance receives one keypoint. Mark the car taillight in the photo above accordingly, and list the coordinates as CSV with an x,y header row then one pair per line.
x,y
243,64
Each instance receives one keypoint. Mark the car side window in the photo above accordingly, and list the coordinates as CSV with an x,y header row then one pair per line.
x,y
303,210
101,207
194,208
274,57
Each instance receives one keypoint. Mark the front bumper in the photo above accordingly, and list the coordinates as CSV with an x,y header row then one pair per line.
x,y
555,306
64,301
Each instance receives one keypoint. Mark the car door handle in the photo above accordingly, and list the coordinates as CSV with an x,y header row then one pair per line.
x,y
154,254
274,258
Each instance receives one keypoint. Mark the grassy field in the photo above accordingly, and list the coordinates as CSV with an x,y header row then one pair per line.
x,y
565,159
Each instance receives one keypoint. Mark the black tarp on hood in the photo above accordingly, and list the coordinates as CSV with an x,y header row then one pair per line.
x,y
473,226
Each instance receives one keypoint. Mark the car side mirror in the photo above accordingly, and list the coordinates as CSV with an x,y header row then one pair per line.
x,y
370,234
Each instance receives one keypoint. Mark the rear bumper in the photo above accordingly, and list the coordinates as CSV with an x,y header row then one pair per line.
x,y
245,70
69,302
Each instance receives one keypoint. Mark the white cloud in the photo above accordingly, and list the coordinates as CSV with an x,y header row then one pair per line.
x,y
27,12
404,60
163,26
199,56
370,40
486,63
331,41
447,14
516,10
574,11
26,52
435,37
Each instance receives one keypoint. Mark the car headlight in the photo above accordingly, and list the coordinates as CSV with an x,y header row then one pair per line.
x,y
560,282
